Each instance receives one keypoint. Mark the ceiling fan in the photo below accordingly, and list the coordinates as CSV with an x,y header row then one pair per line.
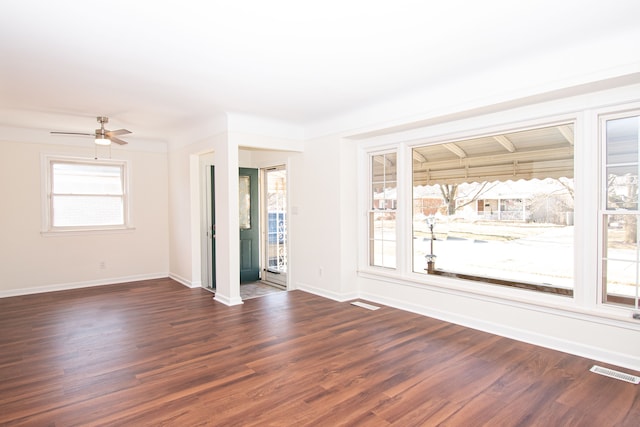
x,y
102,136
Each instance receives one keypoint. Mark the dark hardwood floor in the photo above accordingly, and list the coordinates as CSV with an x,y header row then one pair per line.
x,y
157,353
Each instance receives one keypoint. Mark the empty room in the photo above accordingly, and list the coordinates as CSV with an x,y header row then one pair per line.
x,y
319,213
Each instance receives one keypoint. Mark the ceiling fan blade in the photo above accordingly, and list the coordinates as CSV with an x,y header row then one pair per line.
x,y
102,135
111,133
117,140
73,133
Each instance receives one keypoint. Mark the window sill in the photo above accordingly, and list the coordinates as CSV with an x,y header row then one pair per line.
x,y
85,231
509,283
527,299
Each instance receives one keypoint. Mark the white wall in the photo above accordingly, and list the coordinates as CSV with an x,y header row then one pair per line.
x,y
349,218
322,199
31,262
184,205
318,220
581,334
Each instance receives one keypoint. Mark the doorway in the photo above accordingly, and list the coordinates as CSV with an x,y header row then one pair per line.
x,y
275,257
249,225
207,220
263,236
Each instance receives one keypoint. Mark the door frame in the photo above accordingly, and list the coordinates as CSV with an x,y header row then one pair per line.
x,y
207,221
264,236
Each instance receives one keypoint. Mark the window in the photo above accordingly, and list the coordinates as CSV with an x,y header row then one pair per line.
x,y
545,212
619,213
85,195
382,213
497,209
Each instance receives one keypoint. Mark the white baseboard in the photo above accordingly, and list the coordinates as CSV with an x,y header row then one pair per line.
x,y
571,347
326,294
228,301
78,285
183,281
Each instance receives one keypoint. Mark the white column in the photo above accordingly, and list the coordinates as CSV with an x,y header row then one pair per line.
x,y
227,223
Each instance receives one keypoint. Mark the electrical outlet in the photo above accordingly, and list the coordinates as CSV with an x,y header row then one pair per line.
x,y
320,272
103,265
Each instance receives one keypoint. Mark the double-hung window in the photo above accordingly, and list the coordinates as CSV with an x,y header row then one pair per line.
x,y
382,210
85,194
619,209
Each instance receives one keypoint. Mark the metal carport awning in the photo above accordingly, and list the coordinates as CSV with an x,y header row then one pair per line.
x,y
537,153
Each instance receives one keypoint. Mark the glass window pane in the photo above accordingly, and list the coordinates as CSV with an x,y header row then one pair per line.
x,y
620,263
276,206
621,237
622,187
382,232
620,280
72,178
502,205
245,202
622,140
69,211
383,181
388,254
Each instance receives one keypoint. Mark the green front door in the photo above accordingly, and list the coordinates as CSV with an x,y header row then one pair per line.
x,y
249,222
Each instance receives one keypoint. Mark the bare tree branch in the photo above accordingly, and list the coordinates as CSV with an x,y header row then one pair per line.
x,y
483,189
568,186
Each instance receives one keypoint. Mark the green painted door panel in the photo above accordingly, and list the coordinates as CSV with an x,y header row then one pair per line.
x,y
249,225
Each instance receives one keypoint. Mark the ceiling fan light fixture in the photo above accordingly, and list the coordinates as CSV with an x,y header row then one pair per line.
x,y
102,140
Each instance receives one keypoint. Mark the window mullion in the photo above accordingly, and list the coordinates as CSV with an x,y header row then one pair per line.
x,y
586,211
403,216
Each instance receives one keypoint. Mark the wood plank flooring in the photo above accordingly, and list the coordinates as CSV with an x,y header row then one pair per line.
x,y
156,353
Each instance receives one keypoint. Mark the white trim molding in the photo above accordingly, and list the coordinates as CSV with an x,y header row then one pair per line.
x,y
83,284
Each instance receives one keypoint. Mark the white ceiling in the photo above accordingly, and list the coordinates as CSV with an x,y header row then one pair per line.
x,y
160,67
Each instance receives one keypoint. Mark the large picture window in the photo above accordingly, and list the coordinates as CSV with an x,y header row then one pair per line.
x,y
546,212
619,214
85,194
382,213
497,209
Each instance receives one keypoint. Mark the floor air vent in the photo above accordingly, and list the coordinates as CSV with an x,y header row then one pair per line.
x,y
365,305
615,374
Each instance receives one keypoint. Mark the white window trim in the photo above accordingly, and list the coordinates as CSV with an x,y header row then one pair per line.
x,y
47,228
366,202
